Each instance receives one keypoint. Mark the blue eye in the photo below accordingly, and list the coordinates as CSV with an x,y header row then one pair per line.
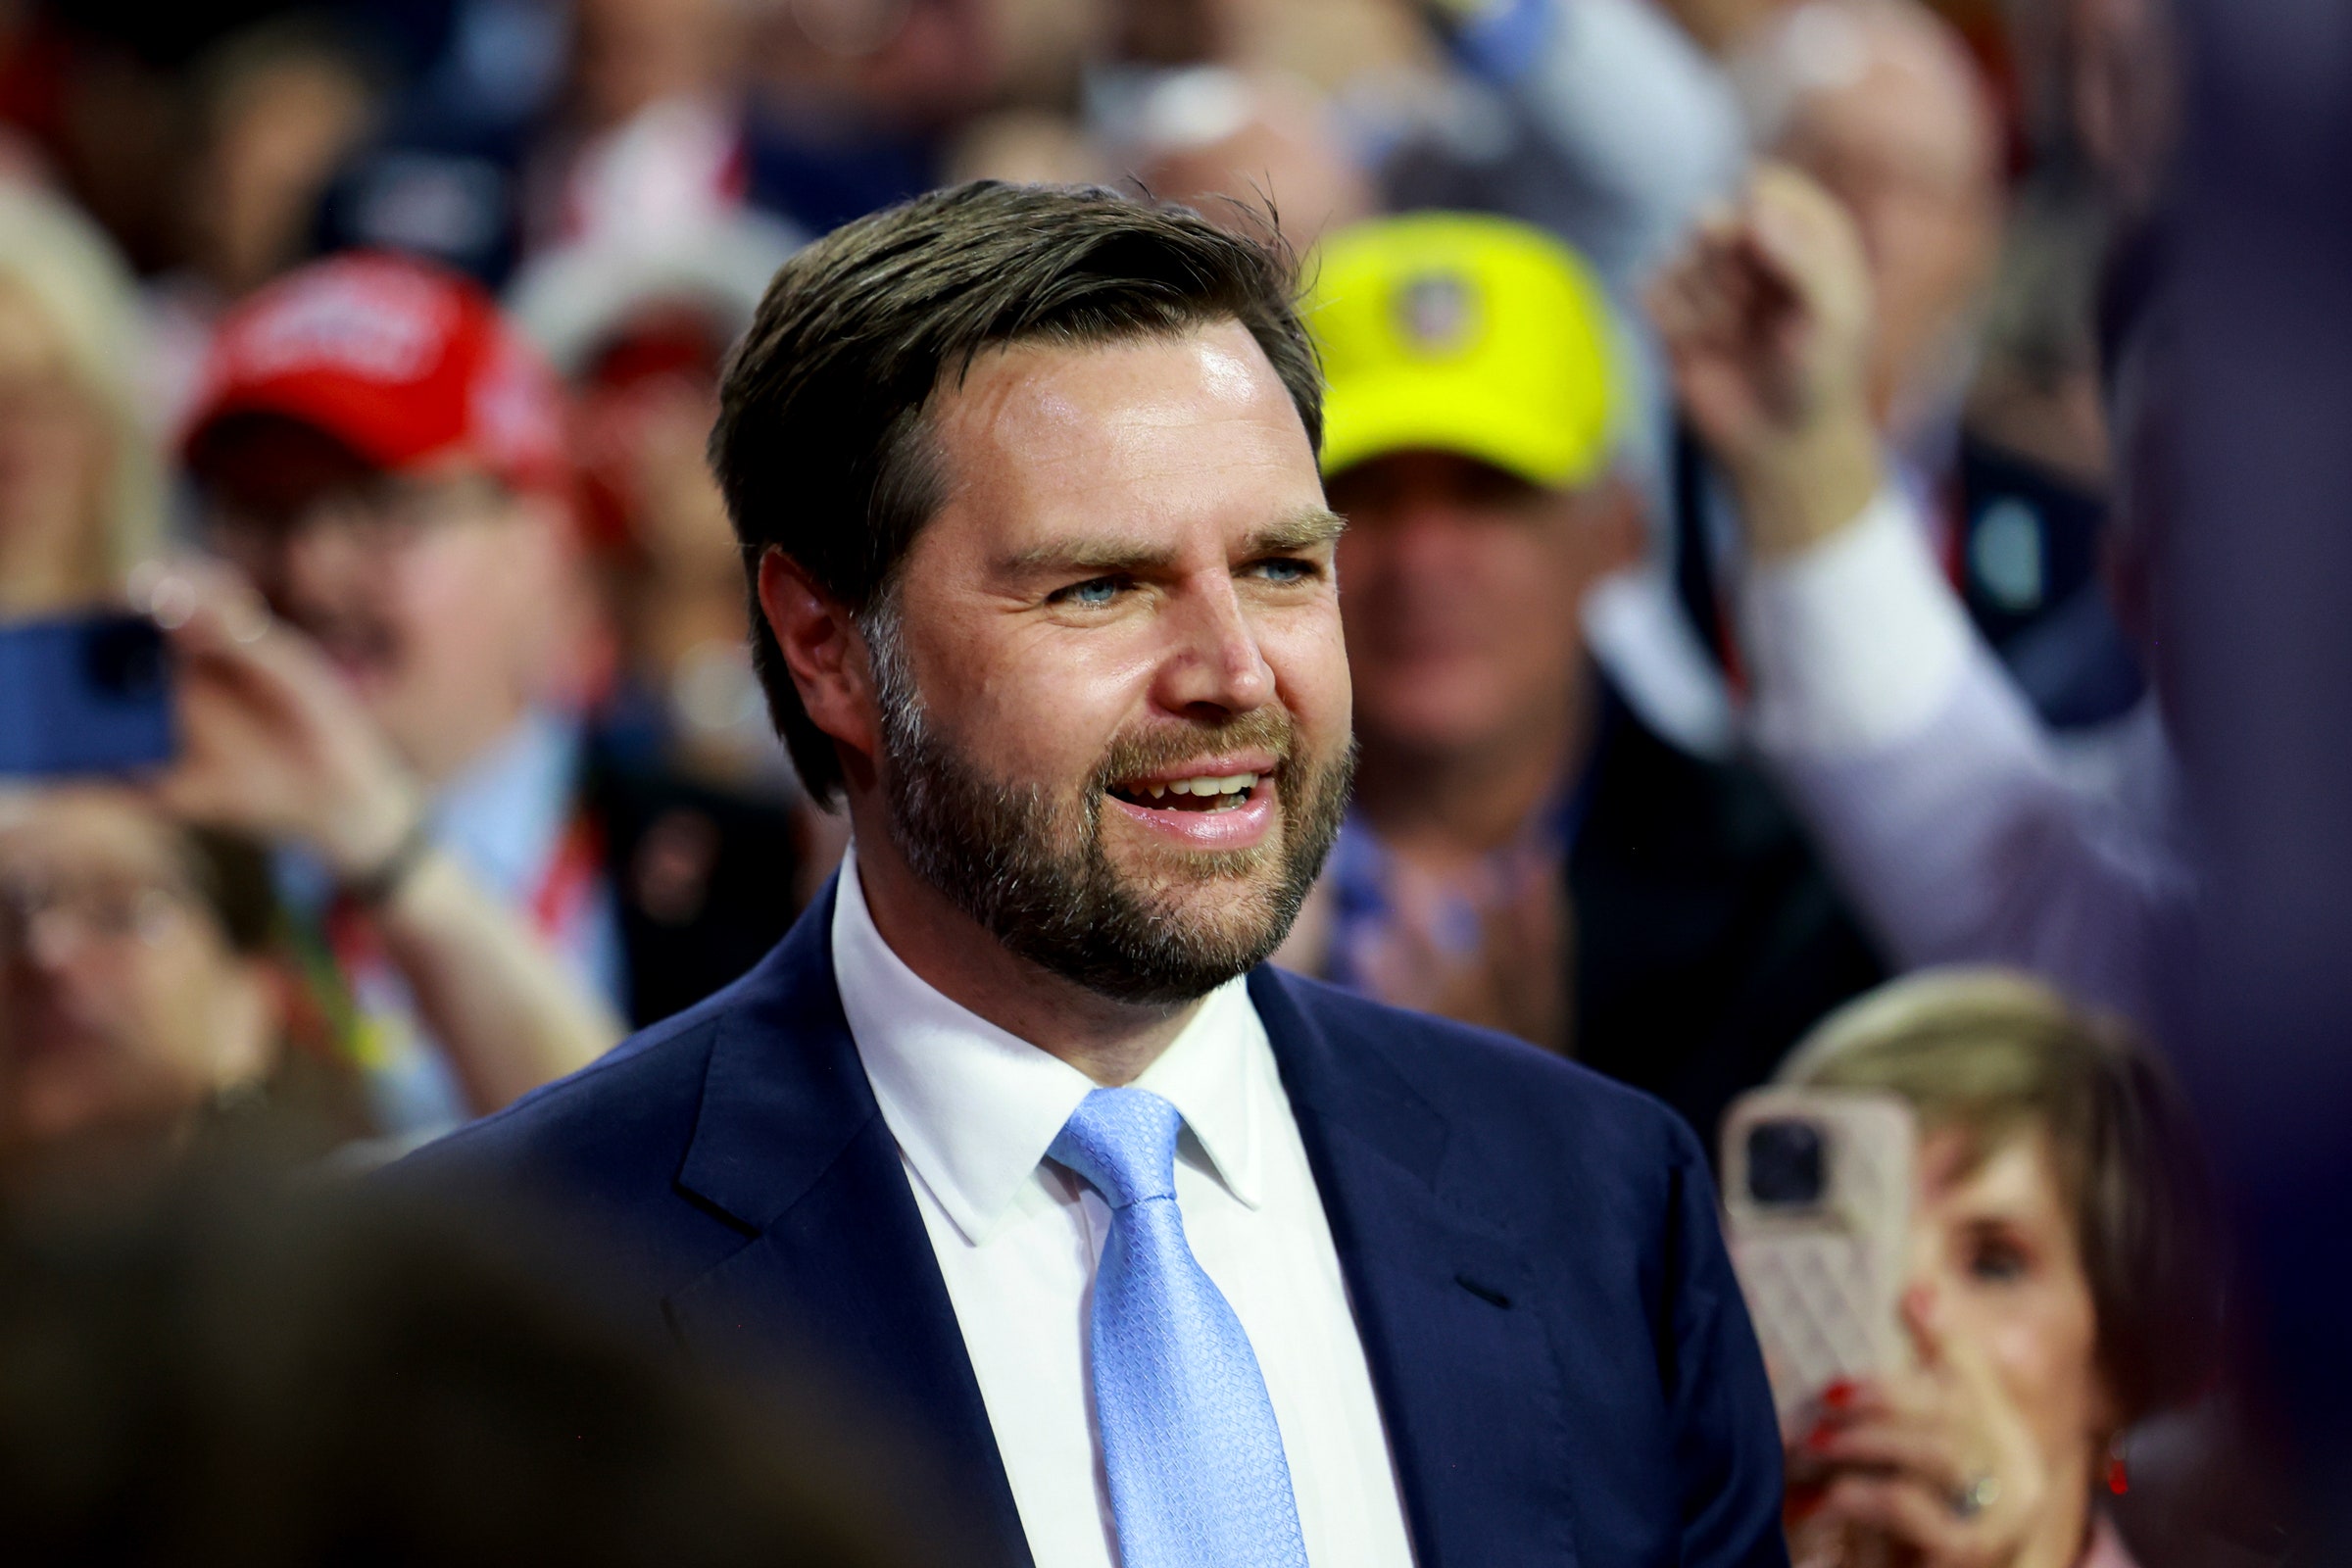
x,y
1286,569
1094,593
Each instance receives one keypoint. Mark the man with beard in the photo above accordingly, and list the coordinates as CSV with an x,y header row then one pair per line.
x,y
1176,1259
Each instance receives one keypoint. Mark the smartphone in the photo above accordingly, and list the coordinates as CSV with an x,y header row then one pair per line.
x,y
1817,1188
84,695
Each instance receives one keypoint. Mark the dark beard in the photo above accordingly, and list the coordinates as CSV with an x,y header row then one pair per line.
x,y
1036,877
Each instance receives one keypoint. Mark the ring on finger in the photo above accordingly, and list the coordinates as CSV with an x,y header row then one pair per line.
x,y
1977,1495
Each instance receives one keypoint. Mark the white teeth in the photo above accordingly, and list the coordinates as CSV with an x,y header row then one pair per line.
x,y
1208,784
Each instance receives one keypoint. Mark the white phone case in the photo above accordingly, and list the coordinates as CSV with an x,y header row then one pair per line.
x,y
1823,1281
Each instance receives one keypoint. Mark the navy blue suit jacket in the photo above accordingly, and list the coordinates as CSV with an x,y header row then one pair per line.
x,y
1558,1347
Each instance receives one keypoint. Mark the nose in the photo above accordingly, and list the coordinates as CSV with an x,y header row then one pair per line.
x,y
320,564
1215,665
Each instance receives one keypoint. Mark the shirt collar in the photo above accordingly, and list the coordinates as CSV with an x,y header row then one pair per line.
x,y
974,1108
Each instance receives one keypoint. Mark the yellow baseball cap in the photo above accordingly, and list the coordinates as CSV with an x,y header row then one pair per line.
x,y
1464,333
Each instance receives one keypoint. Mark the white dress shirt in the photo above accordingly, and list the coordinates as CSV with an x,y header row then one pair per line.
x,y
974,1110
1962,828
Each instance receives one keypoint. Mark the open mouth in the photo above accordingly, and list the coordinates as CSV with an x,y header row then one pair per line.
x,y
1211,791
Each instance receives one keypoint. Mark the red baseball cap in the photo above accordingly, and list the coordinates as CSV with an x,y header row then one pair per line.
x,y
406,363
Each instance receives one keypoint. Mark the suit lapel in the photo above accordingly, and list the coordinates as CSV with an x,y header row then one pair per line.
x,y
1468,1380
790,1146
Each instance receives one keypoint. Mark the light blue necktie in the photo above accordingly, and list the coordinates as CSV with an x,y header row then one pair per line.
x,y
1193,1458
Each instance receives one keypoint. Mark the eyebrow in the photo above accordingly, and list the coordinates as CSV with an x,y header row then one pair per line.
x,y
1303,530
1316,526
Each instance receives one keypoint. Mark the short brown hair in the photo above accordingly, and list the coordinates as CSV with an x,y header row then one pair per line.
x,y
1997,1054
819,445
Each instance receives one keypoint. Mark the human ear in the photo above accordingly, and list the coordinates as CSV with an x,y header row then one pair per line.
x,y
823,651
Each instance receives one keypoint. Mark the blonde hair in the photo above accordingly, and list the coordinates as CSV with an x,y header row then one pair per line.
x,y
1997,1053
69,272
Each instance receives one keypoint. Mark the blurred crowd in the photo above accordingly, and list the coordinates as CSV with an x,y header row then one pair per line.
x,y
1733,402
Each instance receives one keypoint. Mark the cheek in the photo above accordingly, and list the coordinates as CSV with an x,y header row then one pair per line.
x,y
1927,262
2042,1343
456,596
149,1056
168,1007
1028,702
1307,650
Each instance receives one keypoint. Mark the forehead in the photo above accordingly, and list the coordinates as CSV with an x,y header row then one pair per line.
x,y
84,829
2011,1170
1040,431
1902,114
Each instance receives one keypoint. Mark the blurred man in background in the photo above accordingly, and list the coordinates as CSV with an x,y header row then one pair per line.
x,y
1524,850
638,326
1959,826
382,456
382,460
1880,103
687,762
275,107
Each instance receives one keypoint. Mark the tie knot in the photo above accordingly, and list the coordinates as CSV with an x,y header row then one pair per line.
x,y
1122,1140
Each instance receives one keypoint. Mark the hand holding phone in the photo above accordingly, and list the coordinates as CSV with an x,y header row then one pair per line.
x,y
1931,1465
274,746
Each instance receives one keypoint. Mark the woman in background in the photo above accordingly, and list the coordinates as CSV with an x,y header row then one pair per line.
x,y
2061,1289
145,993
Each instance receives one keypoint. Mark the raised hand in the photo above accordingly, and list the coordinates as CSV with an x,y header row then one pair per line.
x,y
1766,322
272,745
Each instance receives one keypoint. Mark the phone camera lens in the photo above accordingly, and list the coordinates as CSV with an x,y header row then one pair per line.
x,y
127,660
1785,1164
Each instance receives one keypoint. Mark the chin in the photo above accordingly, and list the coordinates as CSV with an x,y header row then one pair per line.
x,y
1230,906
1208,879
1227,904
